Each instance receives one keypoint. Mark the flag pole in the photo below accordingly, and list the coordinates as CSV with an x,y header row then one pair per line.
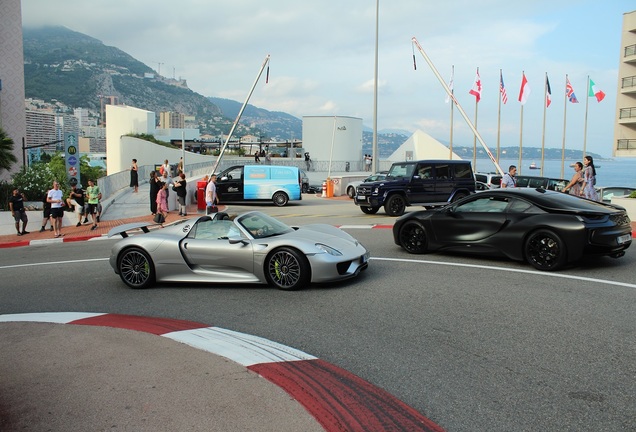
x,y
475,136
565,110
521,129
459,107
499,116
452,109
545,107
587,103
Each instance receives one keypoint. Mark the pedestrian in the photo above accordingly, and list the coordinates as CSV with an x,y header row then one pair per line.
x,y
16,205
577,179
76,199
367,162
180,166
180,188
165,177
162,201
307,161
165,168
46,212
589,179
93,195
154,189
210,195
256,158
56,198
509,180
134,176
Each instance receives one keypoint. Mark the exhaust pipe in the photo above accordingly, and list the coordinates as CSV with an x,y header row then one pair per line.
x,y
618,254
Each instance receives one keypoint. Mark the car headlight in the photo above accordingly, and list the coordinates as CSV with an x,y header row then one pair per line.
x,y
328,249
375,190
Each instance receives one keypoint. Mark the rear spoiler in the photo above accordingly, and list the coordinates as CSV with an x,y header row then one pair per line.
x,y
121,229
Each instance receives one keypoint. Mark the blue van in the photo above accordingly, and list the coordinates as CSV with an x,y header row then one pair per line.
x,y
280,184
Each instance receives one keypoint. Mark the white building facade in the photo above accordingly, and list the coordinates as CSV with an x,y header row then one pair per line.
x,y
333,138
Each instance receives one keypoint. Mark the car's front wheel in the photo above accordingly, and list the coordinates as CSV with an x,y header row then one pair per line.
x,y
280,199
287,269
136,268
412,237
545,250
369,210
351,191
395,205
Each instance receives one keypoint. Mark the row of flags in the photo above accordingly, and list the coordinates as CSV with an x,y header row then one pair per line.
x,y
524,91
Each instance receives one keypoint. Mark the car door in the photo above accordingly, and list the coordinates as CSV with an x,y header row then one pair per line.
x,y
229,184
422,185
471,221
208,250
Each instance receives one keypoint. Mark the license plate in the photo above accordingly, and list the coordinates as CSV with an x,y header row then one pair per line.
x,y
624,238
361,198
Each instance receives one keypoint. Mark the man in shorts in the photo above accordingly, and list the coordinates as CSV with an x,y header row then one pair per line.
x,y
76,199
16,205
56,198
93,195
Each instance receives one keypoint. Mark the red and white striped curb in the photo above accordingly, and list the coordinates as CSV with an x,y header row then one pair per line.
x,y
337,399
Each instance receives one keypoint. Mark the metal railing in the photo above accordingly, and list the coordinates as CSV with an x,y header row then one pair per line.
x,y
628,82
626,144
626,113
630,50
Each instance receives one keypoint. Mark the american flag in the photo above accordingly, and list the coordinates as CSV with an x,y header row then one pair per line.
x,y
569,91
502,90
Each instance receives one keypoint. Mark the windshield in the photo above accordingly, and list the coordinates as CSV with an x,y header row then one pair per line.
x,y
260,225
401,170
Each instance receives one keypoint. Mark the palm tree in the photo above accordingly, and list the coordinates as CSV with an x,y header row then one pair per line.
x,y
7,158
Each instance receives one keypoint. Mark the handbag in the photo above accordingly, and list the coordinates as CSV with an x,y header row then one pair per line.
x,y
211,209
159,218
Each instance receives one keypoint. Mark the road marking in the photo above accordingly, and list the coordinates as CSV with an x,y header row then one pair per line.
x,y
532,272
53,263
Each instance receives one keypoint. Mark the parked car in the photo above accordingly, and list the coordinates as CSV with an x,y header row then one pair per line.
x,y
277,183
351,187
429,183
547,229
493,180
304,178
606,193
481,186
251,248
549,183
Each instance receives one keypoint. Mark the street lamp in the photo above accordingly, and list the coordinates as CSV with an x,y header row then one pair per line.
x,y
25,147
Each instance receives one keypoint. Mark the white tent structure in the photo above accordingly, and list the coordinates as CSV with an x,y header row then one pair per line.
x,y
421,146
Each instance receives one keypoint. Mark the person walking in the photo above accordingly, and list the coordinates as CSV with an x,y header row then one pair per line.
x,y
509,180
589,179
134,176
256,158
46,212
76,199
93,195
162,200
165,169
210,195
16,205
575,183
56,198
154,190
180,188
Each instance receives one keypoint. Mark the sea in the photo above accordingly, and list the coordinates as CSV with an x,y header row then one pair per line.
x,y
609,172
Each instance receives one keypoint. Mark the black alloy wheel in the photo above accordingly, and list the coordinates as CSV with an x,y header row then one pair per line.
x,y
280,199
395,205
412,237
545,250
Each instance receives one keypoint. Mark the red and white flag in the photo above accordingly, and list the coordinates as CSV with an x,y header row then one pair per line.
x,y
596,92
524,91
476,90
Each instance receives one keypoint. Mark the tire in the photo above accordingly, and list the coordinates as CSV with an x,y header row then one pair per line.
x,y
305,188
395,205
136,268
544,250
458,196
287,269
351,191
369,210
280,199
412,237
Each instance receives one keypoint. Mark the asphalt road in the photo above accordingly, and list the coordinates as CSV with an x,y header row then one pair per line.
x,y
473,343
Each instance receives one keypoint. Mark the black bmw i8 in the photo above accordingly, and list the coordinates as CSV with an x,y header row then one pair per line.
x,y
546,228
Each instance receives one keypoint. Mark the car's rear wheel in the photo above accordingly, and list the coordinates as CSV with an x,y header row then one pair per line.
x,y
287,269
351,191
305,188
280,199
136,268
395,205
545,250
412,237
369,210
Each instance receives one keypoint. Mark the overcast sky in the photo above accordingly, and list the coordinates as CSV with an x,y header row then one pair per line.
x,y
322,57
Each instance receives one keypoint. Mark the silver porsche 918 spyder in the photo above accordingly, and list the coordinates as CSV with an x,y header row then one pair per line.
x,y
249,248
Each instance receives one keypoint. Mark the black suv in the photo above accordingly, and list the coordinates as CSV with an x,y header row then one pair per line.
x,y
429,183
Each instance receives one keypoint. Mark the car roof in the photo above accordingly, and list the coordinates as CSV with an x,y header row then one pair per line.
x,y
548,199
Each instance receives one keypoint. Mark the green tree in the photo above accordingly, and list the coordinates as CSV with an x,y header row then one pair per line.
x,y
7,158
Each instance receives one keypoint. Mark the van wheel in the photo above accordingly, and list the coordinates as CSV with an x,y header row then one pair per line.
x,y
395,205
280,199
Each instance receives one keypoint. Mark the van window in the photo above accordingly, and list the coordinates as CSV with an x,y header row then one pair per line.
x,y
236,173
463,171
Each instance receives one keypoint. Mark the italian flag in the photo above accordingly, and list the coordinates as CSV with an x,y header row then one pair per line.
x,y
596,92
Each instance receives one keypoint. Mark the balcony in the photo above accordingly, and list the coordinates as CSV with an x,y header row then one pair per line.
x,y
630,54
628,85
627,116
626,144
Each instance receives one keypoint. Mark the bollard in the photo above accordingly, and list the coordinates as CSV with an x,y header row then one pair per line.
x,y
324,189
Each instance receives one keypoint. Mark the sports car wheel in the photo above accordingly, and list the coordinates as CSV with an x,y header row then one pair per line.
x,y
287,269
395,205
545,250
280,199
369,210
351,191
136,268
412,237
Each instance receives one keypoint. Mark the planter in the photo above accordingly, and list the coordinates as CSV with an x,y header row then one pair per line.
x,y
629,204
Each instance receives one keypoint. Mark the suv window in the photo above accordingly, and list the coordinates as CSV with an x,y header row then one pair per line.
x,y
442,172
425,171
463,171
